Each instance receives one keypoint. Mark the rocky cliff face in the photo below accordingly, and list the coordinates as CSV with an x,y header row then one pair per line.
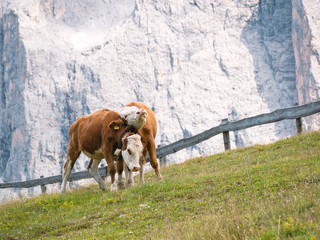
x,y
13,124
305,39
193,62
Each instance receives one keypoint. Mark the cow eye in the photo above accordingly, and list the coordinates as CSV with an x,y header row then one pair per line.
x,y
129,151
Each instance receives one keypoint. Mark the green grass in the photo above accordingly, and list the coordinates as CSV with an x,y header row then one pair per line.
x,y
261,192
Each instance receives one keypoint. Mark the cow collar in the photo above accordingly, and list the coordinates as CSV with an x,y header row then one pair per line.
x,y
131,129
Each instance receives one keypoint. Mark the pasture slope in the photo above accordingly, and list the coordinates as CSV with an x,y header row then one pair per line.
x,y
260,192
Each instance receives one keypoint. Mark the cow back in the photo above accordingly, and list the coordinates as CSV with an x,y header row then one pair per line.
x,y
89,132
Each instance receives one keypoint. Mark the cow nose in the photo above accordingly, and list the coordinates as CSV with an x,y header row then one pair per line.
x,y
135,169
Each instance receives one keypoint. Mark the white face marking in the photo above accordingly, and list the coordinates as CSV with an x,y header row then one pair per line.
x,y
134,116
98,155
135,146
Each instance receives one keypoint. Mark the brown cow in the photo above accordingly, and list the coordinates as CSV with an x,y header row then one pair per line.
x,y
97,136
148,133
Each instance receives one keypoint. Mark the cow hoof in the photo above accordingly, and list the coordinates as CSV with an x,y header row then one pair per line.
x,y
62,193
103,186
130,184
114,187
160,178
121,185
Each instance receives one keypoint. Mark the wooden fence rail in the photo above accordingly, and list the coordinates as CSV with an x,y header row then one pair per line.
x,y
225,127
103,171
278,115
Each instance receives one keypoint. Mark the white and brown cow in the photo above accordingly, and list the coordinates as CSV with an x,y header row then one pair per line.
x,y
148,133
97,136
132,152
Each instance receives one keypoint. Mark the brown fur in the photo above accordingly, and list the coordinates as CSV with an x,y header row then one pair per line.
x,y
125,140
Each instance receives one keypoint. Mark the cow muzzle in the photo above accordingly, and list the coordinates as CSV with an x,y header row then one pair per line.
x,y
142,113
135,169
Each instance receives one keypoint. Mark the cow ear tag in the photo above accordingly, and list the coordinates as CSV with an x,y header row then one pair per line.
x,y
116,127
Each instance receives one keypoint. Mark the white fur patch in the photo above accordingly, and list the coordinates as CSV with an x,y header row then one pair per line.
x,y
136,149
66,175
95,174
114,187
97,154
141,174
117,152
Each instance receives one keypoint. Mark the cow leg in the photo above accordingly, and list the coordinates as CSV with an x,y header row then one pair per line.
x,y
120,170
141,171
72,157
65,176
142,162
108,153
93,170
153,158
129,177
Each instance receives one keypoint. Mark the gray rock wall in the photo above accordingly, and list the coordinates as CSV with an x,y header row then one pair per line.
x,y
305,39
14,138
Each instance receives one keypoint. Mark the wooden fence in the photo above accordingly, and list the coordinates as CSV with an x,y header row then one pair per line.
x,y
225,127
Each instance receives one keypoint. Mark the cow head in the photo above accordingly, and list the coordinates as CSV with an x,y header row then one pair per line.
x,y
134,116
132,150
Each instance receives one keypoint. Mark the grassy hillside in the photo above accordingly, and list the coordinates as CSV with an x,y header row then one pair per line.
x,y
260,192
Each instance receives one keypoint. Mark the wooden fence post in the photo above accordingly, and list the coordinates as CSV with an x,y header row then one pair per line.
x,y
226,137
298,123
43,187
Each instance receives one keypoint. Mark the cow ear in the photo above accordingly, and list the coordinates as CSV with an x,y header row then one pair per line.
x,y
129,151
116,124
124,143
